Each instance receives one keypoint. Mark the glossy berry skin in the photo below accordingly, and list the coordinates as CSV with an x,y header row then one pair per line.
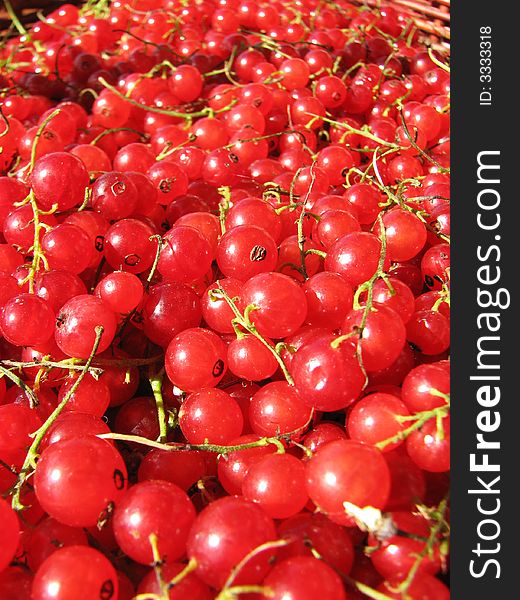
x,y
11,534
327,378
195,358
71,425
153,507
245,251
169,179
48,536
67,247
355,256
19,227
76,323
408,481
128,246
405,234
75,572
181,468
395,556
27,320
210,414
91,474
435,265
233,468
190,586
329,299
57,287
429,446
249,359
280,304
423,587
216,311
277,408
331,540
373,420
419,384
114,195
323,432
185,256
345,470
383,336
121,291
429,331
168,309
223,534
90,396
304,578
277,484
59,178
400,298
253,211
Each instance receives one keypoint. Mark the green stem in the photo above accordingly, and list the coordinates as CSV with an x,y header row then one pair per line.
x,y
175,447
29,463
33,400
156,381
243,321
419,419
162,111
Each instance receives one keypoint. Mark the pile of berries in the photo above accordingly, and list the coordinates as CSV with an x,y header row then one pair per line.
x,y
224,303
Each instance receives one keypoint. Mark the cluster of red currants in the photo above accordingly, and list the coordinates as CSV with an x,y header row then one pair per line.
x,y
224,303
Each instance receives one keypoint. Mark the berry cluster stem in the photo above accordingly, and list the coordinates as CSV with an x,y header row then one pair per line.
x,y
243,321
29,463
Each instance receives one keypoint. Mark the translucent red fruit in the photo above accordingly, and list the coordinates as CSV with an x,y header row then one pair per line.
x,y
48,536
305,578
211,415
185,256
423,586
375,420
395,556
190,586
128,246
90,396
75,572
405,234
77,479
277,484
169,308
250,359
279,304
157,508
223,534
329,299
10,534
114,195
181,468
355,256
27,320
347,471
429,446
245,251
233,467
327,375
121,291
59,178
383,335
215,309
76,326
277,408
331,540
195,358
67,247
